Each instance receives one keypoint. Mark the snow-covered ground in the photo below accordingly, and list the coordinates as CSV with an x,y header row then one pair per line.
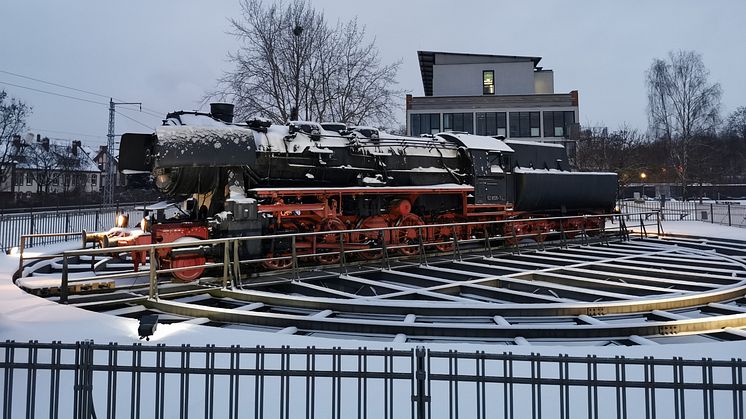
x,y
25,317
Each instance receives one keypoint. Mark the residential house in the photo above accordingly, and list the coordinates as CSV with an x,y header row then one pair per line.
x,y
38,165
102,159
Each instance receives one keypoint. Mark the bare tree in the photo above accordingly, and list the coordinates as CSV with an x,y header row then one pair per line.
x,y
43,162
618,151
683,105
13,116
735,125
293,65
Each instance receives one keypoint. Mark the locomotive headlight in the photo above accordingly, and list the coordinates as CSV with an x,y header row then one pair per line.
x,y
163,180
122,220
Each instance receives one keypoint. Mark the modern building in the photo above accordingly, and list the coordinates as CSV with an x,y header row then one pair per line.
x,y
494,95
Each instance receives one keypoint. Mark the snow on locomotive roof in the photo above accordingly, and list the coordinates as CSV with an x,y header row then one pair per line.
x,y
534,142
181,134
201,120
477,142
527,170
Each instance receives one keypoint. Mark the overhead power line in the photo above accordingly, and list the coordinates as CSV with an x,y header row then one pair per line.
x,y
159,113
55,84
53,93
135,120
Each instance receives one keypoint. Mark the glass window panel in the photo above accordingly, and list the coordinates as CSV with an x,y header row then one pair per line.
x,y
434,123
548,123
524,124
514,125
488,82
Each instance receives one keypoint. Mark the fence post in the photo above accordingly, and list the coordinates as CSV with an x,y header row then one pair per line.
x,y
31,244
729,222
236,265
226,263
63,282
153,291
294,257
342,256
660,227
84,381
423,250
67,223
420,398
712,219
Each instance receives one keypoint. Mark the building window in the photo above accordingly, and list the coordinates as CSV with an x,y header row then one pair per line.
x,y
56,180
463,122
557,123
425,123
492,123
525,124
19,179
29,179
93,179
488,82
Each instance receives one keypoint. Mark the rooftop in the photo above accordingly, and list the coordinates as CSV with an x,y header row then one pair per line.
x,y
427,60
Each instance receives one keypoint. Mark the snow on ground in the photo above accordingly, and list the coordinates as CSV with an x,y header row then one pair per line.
x,y
25,317
700,228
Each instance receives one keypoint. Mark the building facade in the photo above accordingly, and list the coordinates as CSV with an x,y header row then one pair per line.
x,y
38,165
493,95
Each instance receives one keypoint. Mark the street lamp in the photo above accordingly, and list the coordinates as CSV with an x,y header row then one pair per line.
x,y
643,176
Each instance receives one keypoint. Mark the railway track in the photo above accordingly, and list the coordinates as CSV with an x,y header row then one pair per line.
x,y
673,289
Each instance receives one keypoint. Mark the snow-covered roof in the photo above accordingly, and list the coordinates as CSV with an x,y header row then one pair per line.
x,y
477,142
534,142
28,156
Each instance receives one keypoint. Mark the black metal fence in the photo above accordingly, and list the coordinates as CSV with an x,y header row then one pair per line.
x,y
724,213
84,380
62,220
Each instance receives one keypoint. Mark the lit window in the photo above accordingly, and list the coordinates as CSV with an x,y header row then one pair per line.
x,y
488,82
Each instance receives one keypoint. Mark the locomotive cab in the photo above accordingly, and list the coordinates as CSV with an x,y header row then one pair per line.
x,y
490,175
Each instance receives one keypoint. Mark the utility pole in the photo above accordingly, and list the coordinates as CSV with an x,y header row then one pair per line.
x,y
108,196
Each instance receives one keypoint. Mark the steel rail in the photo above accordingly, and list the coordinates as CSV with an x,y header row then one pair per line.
x,y
386,327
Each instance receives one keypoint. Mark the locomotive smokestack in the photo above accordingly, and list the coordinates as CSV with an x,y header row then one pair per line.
x,y
222,111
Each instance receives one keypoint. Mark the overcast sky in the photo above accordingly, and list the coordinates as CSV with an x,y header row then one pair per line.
x,y
167,54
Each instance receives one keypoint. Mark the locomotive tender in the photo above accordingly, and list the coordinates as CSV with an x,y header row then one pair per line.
x,y
258,178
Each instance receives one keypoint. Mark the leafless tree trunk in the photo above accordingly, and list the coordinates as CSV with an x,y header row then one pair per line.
x,y
13,116
683,105
293,64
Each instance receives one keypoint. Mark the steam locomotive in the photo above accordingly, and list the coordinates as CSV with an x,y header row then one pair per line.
x,y
257,178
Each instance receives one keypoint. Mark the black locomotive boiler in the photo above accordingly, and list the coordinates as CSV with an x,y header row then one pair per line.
x,y
257,178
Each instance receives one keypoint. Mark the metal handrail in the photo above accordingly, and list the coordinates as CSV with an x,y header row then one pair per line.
x,y
295,256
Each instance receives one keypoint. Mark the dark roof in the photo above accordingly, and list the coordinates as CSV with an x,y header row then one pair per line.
x,y
427,60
